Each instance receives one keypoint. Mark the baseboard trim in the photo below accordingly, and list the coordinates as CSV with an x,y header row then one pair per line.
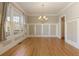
x,y
72,43
42,36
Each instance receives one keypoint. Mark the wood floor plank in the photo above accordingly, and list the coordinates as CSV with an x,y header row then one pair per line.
x,y
40,46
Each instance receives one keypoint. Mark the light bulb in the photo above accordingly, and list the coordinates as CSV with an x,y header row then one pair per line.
x,y
44,17
39,17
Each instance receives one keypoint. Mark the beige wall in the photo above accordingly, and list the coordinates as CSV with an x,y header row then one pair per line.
x,y
34,19
38,28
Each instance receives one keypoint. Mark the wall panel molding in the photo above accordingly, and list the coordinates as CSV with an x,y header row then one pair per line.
x,y
50,32
72,38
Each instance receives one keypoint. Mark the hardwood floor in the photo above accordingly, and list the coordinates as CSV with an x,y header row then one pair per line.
x,y
42,47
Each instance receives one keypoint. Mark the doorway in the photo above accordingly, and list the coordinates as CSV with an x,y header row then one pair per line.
x,y
63,27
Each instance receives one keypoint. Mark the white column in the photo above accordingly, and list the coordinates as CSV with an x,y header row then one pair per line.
x,y
34,29
49,30
42,29
78,33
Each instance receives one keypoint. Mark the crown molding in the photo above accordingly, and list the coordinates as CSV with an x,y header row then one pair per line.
x,y
31,14
70,4
42,14
19,7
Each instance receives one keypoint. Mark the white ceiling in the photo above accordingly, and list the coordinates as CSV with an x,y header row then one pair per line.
x,y
49,7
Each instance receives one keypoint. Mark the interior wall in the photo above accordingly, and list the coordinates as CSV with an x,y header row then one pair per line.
x,y
71,25
34,19
47,28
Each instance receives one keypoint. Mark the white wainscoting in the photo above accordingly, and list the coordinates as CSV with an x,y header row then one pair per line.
x,y
43,30
71,32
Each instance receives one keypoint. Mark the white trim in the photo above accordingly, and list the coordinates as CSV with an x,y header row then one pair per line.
x,y
42,36
65,28
72,43
42,23
42,14
35,29
57,30
73,19
49,30
62,10
42,30
78,33
17,6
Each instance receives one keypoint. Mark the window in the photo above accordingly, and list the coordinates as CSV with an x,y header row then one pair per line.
x,y
8,22
14,21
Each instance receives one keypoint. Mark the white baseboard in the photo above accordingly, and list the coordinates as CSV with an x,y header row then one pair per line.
x,y
12,44
42,36
72,43
59,36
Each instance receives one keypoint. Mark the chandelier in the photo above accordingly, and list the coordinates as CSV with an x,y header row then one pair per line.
x,y
43,17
